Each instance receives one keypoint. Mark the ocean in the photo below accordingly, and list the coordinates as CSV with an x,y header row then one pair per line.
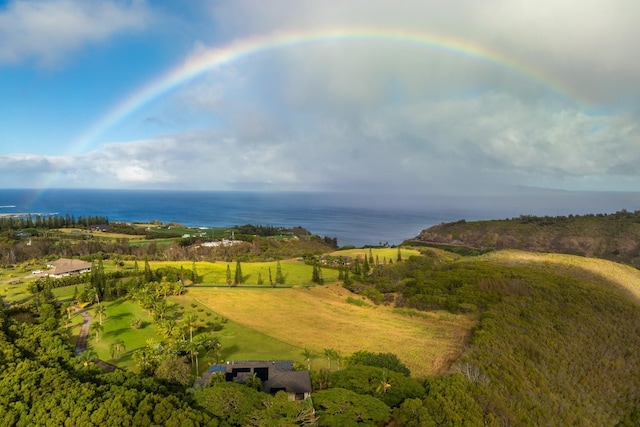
x,y
353,218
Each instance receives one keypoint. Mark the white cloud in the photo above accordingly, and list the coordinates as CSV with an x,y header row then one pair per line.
x,y
492,141
47,31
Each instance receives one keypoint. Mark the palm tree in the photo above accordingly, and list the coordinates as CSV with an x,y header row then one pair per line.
x,y
116,347
211,346
101,310
143,359
385,382
338,357
87,357
161,309
193,347
67,323
168,328
191,322
329,352
97,328
68,308
308,356
254,382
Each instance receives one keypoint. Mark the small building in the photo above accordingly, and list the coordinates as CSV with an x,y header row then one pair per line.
x,y
67,267
275,376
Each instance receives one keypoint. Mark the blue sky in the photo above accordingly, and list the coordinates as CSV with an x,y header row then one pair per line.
x,y
553,103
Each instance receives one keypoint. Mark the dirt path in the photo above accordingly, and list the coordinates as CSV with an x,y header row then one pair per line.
x,y
81,344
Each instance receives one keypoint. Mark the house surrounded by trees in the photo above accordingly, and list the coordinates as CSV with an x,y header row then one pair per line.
x,y
67,267
274,376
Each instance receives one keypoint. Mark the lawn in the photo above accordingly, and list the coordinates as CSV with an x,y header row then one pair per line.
x,y
238,342
381,253
117,326
296,273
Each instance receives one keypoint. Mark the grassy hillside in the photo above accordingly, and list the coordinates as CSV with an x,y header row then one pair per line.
x,y
567,353
614,237
323,317
533,338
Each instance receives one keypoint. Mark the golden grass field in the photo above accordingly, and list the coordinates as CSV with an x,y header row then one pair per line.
x,y
320,318
622,275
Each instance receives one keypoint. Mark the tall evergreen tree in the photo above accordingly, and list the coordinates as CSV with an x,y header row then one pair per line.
x,y
347,279
194,273
229,275
238,276
316,276
279,276
148,274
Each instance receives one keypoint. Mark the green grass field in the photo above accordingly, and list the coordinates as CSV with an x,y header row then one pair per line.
x,y
296,273
381,253
238,342
117,326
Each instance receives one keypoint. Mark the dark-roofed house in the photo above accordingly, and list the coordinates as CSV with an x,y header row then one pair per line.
x,y
66,267
275,376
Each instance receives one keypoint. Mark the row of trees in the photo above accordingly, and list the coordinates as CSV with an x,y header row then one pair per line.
x,y
238,278
30,223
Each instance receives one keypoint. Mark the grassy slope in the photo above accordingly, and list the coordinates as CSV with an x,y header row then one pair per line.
x,y
568,352
624,276
320,318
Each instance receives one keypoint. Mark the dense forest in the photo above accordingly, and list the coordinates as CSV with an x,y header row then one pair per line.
x,y
614,236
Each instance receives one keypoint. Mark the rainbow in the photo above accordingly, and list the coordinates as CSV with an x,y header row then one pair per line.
x,y
209,59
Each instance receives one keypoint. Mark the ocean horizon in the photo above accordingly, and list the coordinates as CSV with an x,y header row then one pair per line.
x,y
356,219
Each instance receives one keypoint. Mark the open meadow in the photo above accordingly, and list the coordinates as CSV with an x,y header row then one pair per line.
x,y
322,317
295,272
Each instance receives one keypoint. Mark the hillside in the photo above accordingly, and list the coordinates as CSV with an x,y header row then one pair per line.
x,y
566,351
322,317
615,237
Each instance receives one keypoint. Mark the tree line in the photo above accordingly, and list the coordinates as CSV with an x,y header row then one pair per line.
x,y
30,222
